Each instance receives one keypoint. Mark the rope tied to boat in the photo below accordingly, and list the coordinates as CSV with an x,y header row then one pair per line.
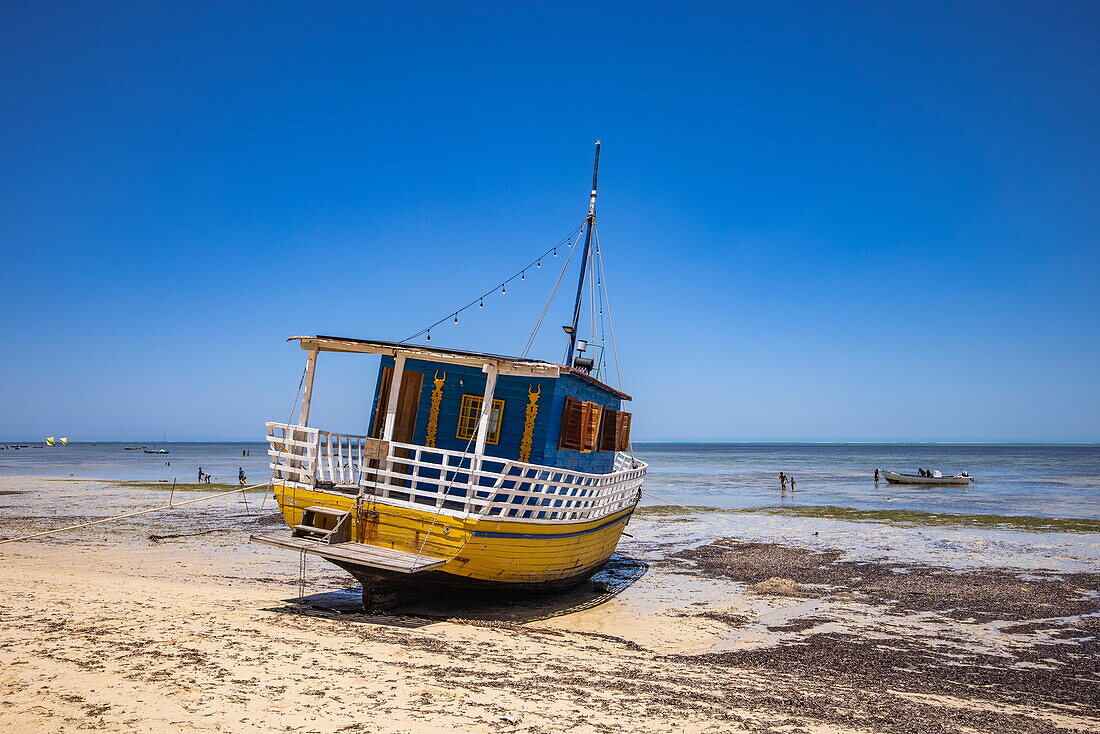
x,y
169,506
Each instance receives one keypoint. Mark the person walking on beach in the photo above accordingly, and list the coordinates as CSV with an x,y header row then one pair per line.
x,y
200,475
240,475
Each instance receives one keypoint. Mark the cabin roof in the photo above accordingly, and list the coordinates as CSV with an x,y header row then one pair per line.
x,y
505,364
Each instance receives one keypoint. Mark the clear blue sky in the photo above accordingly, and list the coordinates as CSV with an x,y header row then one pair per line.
x,y
822,221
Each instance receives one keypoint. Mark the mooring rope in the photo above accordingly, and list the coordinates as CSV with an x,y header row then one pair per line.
x,y
133,514
662,499
301,580
443,495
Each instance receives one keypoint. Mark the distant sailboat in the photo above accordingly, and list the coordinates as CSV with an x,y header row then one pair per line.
x,y
155,450
49,441
64,441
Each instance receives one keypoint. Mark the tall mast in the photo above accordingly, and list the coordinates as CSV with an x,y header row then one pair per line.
x,y
589,222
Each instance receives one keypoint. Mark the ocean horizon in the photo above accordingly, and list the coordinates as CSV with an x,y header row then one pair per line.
x,y
1011,479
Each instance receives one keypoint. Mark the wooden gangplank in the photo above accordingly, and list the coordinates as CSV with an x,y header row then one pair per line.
x,y
360,554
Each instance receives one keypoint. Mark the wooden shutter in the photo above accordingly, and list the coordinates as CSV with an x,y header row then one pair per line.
x,y
591,413
622,432
609,430
408,400
380,401
615,430
570,435
408,403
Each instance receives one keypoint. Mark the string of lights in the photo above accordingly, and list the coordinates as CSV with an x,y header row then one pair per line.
x,y
549,302
536,264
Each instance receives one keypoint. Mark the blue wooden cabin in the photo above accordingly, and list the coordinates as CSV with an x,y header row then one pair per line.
x,y
568,396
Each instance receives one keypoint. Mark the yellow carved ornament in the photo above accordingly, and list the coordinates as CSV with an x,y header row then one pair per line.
x,y
532,412
433,412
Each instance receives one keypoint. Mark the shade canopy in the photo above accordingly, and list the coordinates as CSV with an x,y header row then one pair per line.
x,y
505,365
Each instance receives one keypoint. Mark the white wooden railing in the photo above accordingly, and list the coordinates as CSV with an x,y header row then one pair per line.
x,y
452,482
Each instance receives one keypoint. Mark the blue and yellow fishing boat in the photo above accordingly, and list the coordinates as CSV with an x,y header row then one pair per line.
x,y
475,468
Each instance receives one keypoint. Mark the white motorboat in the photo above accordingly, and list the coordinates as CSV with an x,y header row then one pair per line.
x,y
959,480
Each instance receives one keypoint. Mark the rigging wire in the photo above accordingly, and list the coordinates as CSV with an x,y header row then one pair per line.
x,y
610,319
603,299
550,300
502,286
446,491
591,298
286,434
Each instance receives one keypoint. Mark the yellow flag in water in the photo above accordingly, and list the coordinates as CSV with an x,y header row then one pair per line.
x,y
64,441
49,441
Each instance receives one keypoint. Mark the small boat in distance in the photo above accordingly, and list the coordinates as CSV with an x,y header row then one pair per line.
x,y
959,480
49,441
155,450
132,448
64,441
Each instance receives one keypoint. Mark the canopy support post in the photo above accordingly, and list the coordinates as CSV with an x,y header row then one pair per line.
x,y
483,425
391,399
486,408
307,387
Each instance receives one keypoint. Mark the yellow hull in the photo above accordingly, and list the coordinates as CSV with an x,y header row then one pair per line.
x,y
483,550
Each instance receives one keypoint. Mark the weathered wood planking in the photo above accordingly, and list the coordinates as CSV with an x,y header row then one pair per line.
x,y
362,554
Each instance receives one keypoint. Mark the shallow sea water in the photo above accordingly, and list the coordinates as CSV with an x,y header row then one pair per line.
x,y
1041,481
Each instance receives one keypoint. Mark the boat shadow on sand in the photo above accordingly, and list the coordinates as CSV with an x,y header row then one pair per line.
x,y
491,607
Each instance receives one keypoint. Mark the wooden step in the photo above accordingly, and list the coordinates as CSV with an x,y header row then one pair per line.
x,y
319,510
338,533
309,529
358,554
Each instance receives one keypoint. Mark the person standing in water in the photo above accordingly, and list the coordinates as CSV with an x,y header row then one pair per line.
x,y
782,482
876,476
200,475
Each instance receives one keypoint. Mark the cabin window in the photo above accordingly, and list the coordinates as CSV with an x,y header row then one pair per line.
x,y
615,430
469,414
580,425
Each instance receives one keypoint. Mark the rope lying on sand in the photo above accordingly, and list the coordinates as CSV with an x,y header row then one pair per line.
x,y
133,514
662,499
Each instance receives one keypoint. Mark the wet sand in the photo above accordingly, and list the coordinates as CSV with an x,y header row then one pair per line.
x,y
699,625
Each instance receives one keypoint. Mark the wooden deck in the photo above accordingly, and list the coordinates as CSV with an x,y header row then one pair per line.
x,y
359,554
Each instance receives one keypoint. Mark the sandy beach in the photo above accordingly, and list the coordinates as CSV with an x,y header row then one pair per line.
x,y
550,368
772,623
